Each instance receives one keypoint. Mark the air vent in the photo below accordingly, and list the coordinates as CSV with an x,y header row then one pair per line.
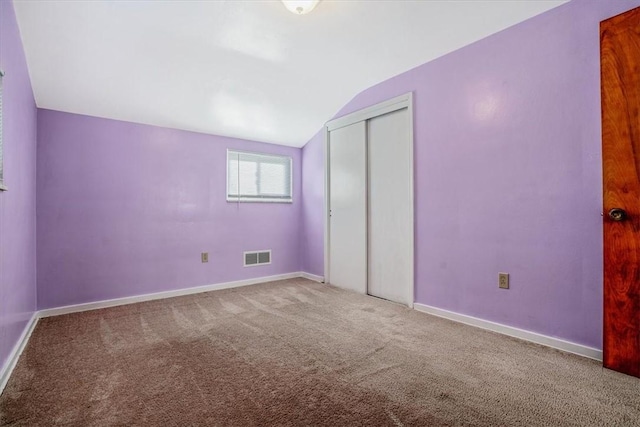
x,y
257,258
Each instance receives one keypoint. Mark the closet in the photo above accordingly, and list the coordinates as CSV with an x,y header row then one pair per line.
x,y
369,203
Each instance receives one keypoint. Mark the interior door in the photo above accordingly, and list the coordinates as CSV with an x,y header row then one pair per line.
x,y
390,239
348,207
620,72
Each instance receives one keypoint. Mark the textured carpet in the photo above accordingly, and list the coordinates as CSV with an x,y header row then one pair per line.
x,y
297,352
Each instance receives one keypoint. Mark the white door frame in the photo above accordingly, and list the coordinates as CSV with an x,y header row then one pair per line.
x,y
393,104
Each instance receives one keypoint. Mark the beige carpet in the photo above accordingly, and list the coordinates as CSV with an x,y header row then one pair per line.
x,y
297,352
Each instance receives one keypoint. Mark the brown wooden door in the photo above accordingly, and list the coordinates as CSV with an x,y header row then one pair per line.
x,y
620,72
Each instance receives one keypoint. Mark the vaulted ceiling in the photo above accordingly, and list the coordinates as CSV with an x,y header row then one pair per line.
x,y
247,69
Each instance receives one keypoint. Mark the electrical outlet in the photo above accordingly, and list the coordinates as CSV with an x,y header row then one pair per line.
x,y
503,280
204,256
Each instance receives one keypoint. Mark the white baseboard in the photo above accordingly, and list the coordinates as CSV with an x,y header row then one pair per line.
x,y
12,360
312,277
557,343
161,295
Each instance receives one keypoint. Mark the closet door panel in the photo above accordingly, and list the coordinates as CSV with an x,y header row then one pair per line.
x,y
390,240
348,207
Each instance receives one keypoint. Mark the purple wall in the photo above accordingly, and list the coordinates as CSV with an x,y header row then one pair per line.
x,y
507,174
18,205
126,209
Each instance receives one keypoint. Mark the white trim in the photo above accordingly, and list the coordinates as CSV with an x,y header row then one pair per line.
x,y
313,277
325,151
557,343
12,360
413,203
250,200
161,295
393,104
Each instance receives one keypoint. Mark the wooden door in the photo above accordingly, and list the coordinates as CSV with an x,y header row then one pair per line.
x,y
620,76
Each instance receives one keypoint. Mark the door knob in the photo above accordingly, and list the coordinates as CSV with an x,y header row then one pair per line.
x,y
617,214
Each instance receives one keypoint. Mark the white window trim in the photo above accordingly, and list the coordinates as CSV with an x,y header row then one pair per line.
x,y
239,199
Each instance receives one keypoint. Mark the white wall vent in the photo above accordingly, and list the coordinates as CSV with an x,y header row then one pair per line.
x,y
257,258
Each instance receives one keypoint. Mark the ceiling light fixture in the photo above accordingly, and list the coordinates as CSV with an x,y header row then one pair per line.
x,y
300,7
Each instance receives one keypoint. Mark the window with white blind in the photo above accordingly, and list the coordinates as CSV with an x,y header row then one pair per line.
x,y
254,177
2,186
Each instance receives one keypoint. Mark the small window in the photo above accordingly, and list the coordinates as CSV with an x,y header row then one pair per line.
x,y
253,177
2,187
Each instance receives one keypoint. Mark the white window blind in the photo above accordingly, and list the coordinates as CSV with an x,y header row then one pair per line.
x,y
2,187
253,177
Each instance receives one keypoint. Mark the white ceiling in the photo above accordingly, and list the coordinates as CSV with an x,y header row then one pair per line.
x,y
248,69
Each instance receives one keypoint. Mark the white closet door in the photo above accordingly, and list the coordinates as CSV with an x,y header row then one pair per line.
x,y
348,207
390,207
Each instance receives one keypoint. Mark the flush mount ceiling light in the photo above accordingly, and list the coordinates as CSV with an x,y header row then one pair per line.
x,y
300,7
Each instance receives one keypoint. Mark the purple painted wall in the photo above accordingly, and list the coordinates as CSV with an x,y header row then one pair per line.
x,y
507,174
126,209
18,205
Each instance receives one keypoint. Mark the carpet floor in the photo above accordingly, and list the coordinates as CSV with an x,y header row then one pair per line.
x,y
299,353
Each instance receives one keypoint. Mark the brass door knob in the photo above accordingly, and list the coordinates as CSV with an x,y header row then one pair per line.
x,y
617,214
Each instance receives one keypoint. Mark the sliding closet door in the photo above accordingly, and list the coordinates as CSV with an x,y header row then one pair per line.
x,y
390,207
348,207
